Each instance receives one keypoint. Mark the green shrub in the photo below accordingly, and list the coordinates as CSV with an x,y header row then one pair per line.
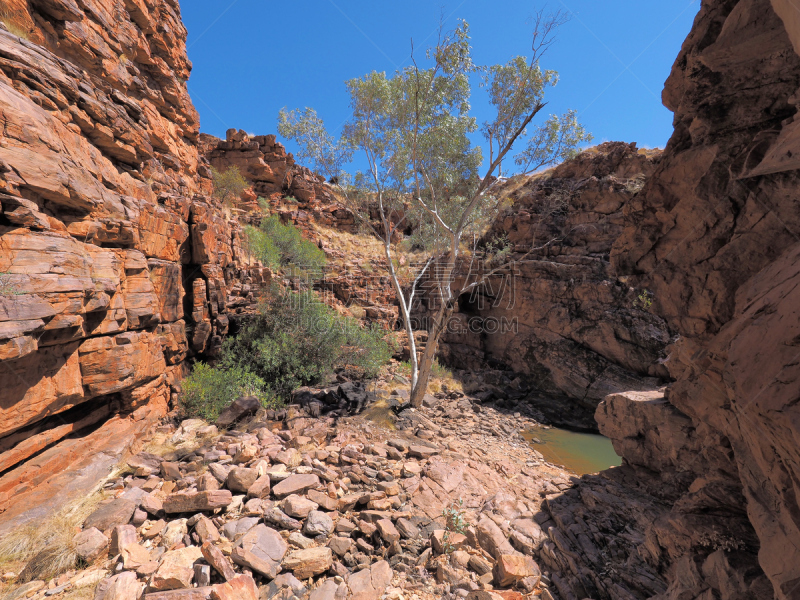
x,y
294,249
228,184
208,390
262,247
283,246
297,340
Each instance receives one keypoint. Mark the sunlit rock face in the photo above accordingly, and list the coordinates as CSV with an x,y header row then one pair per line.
x,y
564,325
115,264
706,504
718,241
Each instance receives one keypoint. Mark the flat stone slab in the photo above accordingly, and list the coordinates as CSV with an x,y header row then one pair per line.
x,y
197,501
295,484
108,516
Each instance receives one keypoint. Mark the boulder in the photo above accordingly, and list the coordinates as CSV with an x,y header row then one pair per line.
x,y
240,408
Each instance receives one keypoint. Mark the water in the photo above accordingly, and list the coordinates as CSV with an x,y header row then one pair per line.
x,y
579,452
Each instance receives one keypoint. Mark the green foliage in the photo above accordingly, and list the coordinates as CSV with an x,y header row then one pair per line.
x,y
414,127
454,523
280,246
293,248
260,245
440,371
228,184
556,140
208,390
644,300
297,340
498,249
317,147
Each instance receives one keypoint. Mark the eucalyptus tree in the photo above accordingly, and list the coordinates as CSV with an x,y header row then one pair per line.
x,y
414,130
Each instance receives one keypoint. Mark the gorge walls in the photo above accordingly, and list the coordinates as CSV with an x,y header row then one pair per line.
x,y
711,473
571,330
718,242
115,265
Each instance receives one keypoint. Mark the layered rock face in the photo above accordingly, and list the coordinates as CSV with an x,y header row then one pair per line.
x,y
294,192
114,265
712,467
564,322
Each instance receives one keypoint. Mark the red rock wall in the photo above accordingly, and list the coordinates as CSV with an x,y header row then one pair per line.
x,y
114,264
568,326
711,479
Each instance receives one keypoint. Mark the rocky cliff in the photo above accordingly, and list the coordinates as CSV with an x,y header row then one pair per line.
x,y
564,324
114,263
710,481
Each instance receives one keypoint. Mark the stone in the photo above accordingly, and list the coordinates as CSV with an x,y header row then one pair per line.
x,y
370,583
240,408
152,505
124,586
323,500
241,587
206,530
388,531
309,562
298,540
240,479
218,561
509,569
298,506
202,575
197,501
90,544
260,487
122,536
108,516
443,541
136,557
480,565
265,544
407,529
340,545
249,560
295,484
176,570
174,533
492,539
199,593
318,523
422,451
327,591
235,529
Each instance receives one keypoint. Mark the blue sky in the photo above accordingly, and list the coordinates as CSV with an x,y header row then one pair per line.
x,y
253,57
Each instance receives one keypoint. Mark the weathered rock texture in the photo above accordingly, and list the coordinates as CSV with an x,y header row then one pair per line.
x,y
114,264
710,485
565,323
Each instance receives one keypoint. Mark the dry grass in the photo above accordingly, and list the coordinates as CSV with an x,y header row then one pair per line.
x,y
45,547
83,593
351,244
14,24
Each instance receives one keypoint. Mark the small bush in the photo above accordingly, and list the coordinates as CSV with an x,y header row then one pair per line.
x,y
229,184
282,246
9,286
208,390
297,340
294,249
261,246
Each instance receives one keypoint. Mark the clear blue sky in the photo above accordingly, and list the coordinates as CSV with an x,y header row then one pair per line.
x,y
253,57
